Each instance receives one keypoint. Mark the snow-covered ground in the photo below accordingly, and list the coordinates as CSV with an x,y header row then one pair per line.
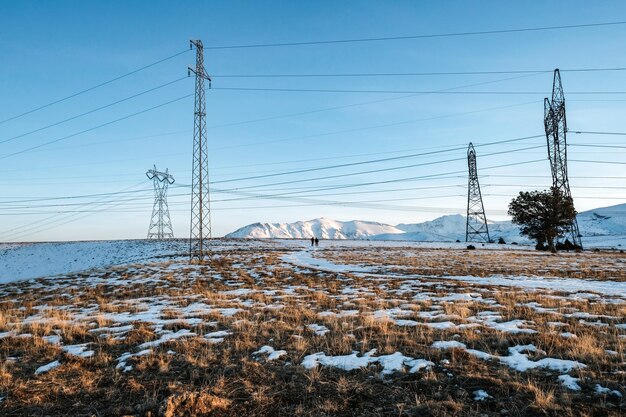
x,y
378,307
33,260
306,259
20,261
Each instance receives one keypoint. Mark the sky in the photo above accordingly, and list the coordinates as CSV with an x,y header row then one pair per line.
x,y
75,169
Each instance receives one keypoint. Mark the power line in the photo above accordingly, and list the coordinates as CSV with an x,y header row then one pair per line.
x,y
395,158
422,36
597,133
370,183
343,193
94,87
125,140
73,196
128,200
237,191
18,200
324,202
360,129
598,162
585,197
136,200
382,169
94,128
362,103
328,90
51,226
414,74
597,146
320,110
32,225
93,110
577,177
539,186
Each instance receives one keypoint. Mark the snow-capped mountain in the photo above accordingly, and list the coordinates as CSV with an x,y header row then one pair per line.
x,y
601,226
322,228
603,221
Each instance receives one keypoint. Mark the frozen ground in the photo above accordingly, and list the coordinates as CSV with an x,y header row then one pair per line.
x,y
33,260
20,261
355,323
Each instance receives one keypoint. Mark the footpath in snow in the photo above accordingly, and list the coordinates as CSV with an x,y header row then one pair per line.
x,y
305,259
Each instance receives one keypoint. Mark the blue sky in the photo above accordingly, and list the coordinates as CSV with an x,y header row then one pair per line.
x,y
53,49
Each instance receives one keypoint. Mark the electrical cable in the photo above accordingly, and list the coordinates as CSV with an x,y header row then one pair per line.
x,y
422,36
93,110
94,87
414,74
94,128
329,90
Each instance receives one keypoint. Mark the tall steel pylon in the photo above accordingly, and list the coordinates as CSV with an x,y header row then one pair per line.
x,y
476,229
160,222
200,234
555,124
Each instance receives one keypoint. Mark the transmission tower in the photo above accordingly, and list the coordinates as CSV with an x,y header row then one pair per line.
x,y
476,229
555,125
160,223
200,235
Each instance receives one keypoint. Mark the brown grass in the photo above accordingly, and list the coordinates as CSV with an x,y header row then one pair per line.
x,y
224,379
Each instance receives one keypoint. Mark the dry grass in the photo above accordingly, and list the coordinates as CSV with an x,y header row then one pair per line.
x,y
193,376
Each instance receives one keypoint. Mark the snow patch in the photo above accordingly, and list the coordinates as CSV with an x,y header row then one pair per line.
x,y
318,329
481,395
395,362
516,359
569,382
167,337
271,353
46,368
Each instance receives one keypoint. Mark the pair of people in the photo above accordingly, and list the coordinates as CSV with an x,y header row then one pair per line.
x,y
315,241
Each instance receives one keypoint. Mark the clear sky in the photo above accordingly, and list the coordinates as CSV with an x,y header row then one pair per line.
x,y
51,50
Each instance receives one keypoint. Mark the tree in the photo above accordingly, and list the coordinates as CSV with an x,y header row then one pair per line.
x,y
543,215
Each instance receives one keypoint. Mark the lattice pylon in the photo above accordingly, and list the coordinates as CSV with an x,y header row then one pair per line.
x,y
200,233
476,228
160,222
555,124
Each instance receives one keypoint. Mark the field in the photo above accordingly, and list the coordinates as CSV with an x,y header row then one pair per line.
x,y
275,328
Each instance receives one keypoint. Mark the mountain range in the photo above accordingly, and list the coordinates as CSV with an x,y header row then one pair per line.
x,y
606,225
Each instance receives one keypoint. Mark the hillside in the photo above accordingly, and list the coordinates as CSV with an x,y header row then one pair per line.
x,y
322,228
605,226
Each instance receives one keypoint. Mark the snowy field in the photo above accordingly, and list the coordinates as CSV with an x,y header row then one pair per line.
x,y
279,328
20,261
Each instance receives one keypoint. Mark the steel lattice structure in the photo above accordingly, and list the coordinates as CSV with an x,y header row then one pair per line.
x,y
476,229
555,124
200,235
160,222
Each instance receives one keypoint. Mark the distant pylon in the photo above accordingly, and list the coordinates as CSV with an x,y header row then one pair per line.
x,y
200,234
555,125
160,223
476,229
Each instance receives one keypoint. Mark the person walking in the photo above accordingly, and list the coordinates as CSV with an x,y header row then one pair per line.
x,y
312,241
317,242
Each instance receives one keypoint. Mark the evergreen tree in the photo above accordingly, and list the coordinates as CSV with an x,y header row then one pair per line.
x,y
543,215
